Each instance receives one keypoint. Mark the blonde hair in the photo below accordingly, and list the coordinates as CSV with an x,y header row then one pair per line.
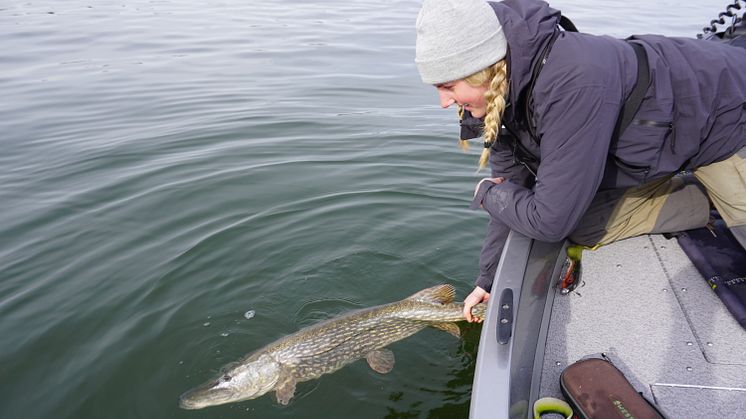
x,y
496,79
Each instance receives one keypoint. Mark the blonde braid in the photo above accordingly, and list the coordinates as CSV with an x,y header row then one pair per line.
x,y
463,143
497,76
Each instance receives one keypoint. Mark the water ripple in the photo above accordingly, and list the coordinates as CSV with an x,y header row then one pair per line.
x,y
168,165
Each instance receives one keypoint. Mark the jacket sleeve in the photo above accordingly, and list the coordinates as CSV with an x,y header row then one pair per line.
x,y
492,248
502,164
575,128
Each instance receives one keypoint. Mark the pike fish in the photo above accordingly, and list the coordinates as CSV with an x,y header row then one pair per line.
x,y
330,345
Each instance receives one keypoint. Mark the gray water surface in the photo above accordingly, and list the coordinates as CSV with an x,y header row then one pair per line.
x,y
168,166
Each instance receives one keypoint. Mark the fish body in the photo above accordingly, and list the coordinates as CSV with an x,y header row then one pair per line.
x,y
328,346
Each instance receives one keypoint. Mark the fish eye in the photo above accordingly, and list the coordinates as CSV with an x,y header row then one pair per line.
x,y
226,377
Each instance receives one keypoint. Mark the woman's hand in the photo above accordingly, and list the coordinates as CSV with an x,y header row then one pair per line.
x,y
495,180
477,296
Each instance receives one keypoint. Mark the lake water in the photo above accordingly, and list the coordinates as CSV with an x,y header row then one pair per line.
x,y
168,166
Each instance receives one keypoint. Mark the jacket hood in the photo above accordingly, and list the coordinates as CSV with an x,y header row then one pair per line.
x,y
528,26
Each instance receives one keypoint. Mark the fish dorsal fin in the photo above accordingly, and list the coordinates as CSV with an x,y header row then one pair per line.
x,y
441,294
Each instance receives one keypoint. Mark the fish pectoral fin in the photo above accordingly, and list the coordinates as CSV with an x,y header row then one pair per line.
x,y
381,360
451,328
285,391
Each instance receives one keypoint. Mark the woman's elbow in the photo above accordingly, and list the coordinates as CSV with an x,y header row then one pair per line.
x,y
551,237
549,232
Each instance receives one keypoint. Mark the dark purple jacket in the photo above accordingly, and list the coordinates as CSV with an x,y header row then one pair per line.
x,y
693,114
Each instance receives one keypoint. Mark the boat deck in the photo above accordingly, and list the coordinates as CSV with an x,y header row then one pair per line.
x,y
646,305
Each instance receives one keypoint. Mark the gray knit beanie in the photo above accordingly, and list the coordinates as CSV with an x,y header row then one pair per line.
x,y
457,38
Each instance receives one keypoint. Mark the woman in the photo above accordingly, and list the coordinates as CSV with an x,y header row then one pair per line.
x,y
548,103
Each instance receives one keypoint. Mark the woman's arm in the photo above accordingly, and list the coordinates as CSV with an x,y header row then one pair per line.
x,y
575,128
503,166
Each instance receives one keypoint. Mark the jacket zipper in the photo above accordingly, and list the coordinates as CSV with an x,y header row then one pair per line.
x,y
668,125
522,155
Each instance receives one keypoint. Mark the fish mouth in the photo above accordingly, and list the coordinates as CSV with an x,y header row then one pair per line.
x,y
188,403
200,398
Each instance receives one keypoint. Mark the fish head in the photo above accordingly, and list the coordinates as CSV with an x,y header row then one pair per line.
x,y
237,382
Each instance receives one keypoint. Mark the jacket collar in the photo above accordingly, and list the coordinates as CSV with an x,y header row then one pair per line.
x,y
528,26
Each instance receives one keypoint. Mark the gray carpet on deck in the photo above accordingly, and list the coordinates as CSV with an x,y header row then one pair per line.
x,y
646,305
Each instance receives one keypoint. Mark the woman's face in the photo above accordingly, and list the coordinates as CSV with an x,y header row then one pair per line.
x,y
462,93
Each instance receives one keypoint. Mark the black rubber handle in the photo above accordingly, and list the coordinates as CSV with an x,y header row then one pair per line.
x,y
505,317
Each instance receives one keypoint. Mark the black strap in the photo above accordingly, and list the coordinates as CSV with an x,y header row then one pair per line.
x,y
528,105
633,102
567,24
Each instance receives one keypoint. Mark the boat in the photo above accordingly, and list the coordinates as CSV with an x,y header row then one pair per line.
x,y
640,302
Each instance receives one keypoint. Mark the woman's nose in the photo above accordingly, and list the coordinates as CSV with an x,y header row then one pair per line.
x,y
446,99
